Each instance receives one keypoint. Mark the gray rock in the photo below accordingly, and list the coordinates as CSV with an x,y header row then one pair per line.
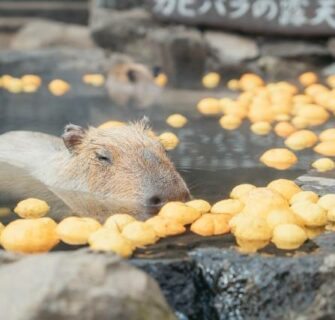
x,y
77,285
231,49
215,281
183,54
319,182
278,68
293,48
110,28
328,70
44,33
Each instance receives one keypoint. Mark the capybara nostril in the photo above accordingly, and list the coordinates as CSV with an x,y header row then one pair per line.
x,y
154,201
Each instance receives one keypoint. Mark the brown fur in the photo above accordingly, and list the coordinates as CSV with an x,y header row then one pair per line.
x,y
139,168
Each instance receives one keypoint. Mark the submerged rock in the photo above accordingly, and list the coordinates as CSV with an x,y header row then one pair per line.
x,y
77,285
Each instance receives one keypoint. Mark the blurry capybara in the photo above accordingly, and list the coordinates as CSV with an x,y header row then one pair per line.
x,y
98,172
131,83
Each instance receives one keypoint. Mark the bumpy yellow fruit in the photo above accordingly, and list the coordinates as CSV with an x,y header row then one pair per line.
x,y
32,208
331,215
176,120
119,221
327,201
280,216
180,212
310,213
111,241
302,99
300,122
161,80
252,233
308,78
284,129
30,82
230,122
261,128
314,114
241,190
169,140
261,201
280,158
250,81
200,205
30,235
315,89
111,124
210,224
229,207
259,113
323,164
309,196
301,140
288,236
2,227
286,188
94,79
282,117
13,85
140,233
326,148
31,79
209,106
233,84
331,81
327,135
58,87
76,230
211,80
233,108
164,227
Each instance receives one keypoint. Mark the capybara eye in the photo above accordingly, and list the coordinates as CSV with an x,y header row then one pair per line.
x,y
104,157
131,74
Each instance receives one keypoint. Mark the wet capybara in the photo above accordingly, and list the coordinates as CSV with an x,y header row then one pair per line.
x,y
98,172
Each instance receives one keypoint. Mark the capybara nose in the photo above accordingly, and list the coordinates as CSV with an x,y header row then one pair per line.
x,y
154,201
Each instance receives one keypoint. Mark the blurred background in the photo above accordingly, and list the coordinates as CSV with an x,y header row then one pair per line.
x,y
153,56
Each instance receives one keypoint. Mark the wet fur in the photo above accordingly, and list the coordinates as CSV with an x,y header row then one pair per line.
x,y
139,169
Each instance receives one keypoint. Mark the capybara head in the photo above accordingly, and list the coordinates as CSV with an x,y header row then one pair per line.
x,y
132,83
126,165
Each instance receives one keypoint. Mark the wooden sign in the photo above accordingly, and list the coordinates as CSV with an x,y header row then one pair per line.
x,y
286,17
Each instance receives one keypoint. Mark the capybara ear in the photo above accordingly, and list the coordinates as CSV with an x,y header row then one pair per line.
x,y
145,121
73,136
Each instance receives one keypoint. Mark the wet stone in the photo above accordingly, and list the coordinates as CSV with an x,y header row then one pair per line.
x,y
221,283
77,285
319,182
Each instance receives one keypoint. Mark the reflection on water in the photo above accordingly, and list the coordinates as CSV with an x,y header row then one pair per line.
x,y
214,185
